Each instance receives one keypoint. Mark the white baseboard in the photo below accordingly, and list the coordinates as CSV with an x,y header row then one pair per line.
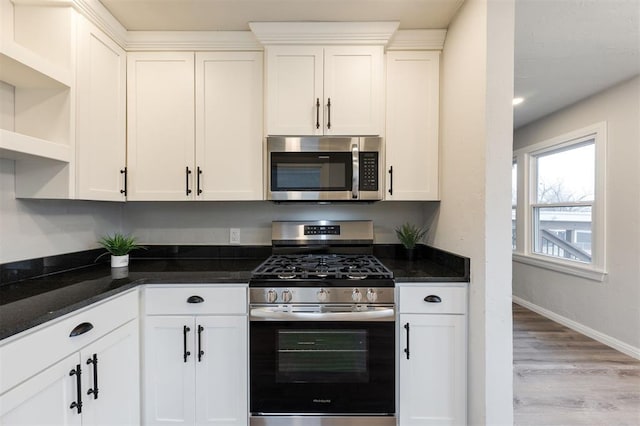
x,y
616,344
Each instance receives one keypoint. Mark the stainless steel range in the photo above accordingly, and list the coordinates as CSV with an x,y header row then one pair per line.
x,y
322,329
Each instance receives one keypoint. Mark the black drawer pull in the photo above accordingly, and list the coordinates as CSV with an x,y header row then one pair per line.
x,y
195,299
432,299
81,329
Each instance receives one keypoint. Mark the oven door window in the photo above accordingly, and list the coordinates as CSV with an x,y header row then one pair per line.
x,y
322,356
311,171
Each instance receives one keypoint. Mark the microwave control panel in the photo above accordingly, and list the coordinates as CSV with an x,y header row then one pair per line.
x,y
368,171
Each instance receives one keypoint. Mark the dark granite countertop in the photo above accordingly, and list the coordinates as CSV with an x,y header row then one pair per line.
x,y
39,290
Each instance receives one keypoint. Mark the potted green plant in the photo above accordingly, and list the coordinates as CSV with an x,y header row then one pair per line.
x,y
409,235
119,245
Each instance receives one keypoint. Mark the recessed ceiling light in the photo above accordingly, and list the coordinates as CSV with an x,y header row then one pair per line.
x,y
517,101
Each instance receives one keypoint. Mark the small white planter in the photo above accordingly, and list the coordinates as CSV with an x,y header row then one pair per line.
x,y
119,261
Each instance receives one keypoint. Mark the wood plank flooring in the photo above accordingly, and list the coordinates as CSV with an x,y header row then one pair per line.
x,y
564,378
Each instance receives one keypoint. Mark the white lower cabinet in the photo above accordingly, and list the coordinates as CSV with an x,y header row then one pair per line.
x,y
195,365
104,393
432,358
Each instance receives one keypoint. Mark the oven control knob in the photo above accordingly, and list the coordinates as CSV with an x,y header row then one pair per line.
x,y
286,296
356,296
372,295
272,296
322,295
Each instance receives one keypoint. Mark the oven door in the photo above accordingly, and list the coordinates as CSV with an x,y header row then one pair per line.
x,y
322,368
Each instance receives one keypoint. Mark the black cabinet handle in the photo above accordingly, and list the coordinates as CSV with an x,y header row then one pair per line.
x,y
94,360
185,352
195,299
124,172
432,299
200,351
78,373
198,174
406,350
188,172
81,329
390,180
317,113
329,113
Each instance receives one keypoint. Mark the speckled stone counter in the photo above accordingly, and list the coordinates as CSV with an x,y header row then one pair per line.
x,y
38,290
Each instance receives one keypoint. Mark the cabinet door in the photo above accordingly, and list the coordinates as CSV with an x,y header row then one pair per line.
x,y
117,401
433,379
169,390
353,85
100,125
45,398
160,116
229,125
294,89
221,371
412,125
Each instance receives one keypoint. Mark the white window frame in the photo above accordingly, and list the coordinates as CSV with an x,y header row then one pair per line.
x,y
524,253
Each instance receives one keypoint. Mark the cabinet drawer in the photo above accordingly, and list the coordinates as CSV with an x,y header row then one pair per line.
x,y
445,300
35,350
208,300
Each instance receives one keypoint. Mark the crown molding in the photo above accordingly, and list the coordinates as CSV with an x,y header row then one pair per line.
x,y
97,14
325,33
418,40
192,40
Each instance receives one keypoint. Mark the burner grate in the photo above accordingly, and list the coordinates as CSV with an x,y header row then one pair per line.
x,y
313,266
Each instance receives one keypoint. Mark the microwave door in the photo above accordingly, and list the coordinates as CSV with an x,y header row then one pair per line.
x,y
311,175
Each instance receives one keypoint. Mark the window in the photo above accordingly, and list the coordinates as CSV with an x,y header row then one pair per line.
x,y
561,211
564,185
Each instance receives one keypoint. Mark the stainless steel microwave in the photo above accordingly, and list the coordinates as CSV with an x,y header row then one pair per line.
x,y
316,168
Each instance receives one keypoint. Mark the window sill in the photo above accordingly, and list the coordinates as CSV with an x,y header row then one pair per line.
x,y
562,267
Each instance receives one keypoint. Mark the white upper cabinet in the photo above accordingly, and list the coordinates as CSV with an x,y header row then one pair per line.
x,y
194,126
412,104
161,130
100,125
229,126
333,90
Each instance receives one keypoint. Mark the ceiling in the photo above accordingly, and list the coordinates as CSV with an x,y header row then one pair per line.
x,y
565,50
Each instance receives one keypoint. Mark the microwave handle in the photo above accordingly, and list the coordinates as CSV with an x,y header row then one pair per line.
x,y
355,179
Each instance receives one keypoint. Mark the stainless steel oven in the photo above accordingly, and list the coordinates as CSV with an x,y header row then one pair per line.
x,y
322,333
324,168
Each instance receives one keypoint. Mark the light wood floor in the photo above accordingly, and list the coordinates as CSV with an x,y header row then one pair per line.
x,y
564,378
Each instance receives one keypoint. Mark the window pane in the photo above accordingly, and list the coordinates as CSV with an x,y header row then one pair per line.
x,y
514,201
566,175
563,232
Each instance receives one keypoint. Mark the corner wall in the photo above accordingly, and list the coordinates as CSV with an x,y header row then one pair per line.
x,y
608,311
474,216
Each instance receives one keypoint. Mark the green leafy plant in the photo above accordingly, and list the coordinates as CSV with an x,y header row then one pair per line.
x,y
409,234
119,244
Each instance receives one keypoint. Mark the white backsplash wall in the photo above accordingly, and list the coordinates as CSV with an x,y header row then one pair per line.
x,y
37,228
202,223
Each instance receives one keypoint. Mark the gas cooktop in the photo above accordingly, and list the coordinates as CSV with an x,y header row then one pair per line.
x,y
294,267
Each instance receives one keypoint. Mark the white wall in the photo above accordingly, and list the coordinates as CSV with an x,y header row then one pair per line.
x,y
474,216
37,228
610,308
209,222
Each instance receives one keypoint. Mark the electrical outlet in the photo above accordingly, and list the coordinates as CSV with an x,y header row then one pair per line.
x,y
234,236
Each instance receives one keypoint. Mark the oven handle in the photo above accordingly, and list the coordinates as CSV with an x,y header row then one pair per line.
x,y
375,314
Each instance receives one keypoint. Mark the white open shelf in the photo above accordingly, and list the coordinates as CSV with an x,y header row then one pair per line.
x,y
16,146
22,68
